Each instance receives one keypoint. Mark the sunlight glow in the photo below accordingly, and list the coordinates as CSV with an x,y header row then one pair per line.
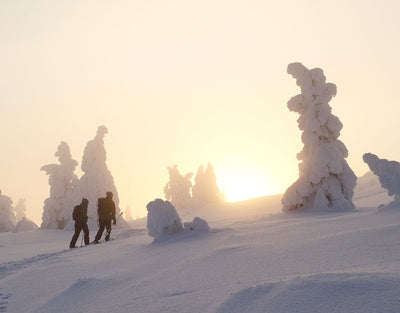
x,y
243,184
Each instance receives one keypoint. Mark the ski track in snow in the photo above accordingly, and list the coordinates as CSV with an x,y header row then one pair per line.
x,y
12,267
3,301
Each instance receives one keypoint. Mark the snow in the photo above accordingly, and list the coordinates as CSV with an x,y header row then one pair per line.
x,y
253,259
326,181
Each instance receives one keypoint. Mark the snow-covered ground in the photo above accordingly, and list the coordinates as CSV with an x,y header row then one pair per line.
x,y
254,259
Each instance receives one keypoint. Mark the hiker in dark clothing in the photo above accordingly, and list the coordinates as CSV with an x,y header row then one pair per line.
x,y
106,212
80,217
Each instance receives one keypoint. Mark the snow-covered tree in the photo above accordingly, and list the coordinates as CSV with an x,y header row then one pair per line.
x,y
20,209
128,214
388,173
97,179
205,189
162,218
25,224
326,182
177,190
64,195
7,216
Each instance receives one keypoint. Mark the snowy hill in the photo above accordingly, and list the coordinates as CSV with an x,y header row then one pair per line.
x,y
254,259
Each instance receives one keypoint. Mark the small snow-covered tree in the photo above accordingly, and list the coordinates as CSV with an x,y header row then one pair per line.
x,y
25,224
63,183
20,209
7,216
388,173
177,190
326,181
205,189
162,218
97,179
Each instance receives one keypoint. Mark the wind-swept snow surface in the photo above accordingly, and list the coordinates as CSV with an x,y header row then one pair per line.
x,y
326,181
388,173
254,259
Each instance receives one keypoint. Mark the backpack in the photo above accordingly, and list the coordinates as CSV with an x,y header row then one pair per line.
x,y
76,213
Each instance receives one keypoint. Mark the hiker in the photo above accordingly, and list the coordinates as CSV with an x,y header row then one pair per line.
x,y
80,217
106,212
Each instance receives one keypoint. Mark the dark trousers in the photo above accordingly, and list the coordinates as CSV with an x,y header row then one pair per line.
x,y
80,225
104,224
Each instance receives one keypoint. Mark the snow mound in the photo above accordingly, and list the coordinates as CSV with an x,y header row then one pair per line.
x,y
197,224
79,291
162,218
332,292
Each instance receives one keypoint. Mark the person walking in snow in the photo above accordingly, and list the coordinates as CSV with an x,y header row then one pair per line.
x,y
80,217
106,212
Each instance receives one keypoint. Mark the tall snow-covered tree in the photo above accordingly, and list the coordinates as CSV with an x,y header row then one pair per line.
x,y
20,209
388,173
7,216
205,189
177,190
326,181
64,195
97,179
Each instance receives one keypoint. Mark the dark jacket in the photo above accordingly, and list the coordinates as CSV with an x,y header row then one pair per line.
x,y
80,213
106,209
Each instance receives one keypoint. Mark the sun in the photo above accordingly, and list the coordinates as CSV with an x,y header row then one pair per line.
x,y
242,184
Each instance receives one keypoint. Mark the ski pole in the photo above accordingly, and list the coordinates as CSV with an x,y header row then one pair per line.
x,y
120,214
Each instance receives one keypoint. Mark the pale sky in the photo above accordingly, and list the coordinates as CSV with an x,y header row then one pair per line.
x,y
188,82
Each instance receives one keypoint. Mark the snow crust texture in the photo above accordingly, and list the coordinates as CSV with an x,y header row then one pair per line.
x,y
162,219
388,173
339,292
326,182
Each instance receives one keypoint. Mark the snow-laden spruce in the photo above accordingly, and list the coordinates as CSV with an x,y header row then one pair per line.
x,y
97,179
162,218
326,181
205,189
20,209
7,216
63,183
177,190
388,173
